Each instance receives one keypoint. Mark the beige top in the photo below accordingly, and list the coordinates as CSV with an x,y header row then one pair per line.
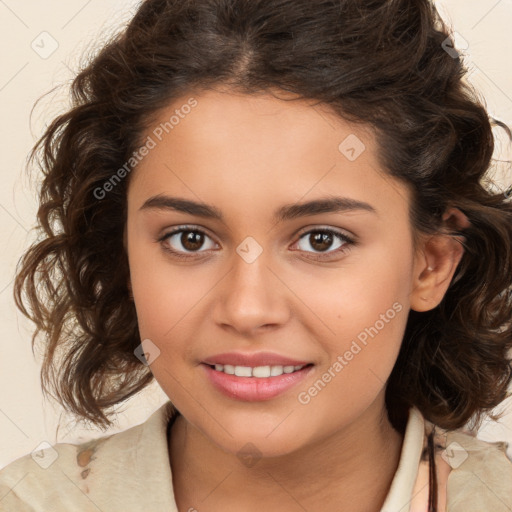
x,y
130,472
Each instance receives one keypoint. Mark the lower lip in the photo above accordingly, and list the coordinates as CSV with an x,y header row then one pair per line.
x,y
254,389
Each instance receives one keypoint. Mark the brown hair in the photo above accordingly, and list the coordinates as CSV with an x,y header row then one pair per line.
x,y
379,62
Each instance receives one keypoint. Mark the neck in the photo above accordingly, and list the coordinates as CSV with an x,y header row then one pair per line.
x,y
351,470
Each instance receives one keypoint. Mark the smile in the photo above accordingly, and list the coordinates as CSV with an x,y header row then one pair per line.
x,y
259,372
258,383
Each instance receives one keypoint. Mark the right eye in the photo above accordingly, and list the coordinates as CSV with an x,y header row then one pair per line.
x,y
184,241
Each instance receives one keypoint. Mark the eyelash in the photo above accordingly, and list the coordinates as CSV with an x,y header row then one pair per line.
x,y
348,242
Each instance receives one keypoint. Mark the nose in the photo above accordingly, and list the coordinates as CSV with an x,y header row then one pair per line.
x,y
252,298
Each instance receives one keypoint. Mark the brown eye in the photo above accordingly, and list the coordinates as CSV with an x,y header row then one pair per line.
x,y
192,240
186,241
321,240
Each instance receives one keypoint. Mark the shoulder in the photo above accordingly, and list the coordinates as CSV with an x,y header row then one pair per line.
x,y
480,476
107,473
46,477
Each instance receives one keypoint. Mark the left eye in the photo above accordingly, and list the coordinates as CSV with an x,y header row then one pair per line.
x,y
320,240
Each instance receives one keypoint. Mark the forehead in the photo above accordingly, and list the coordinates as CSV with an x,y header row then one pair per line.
x,y
244,149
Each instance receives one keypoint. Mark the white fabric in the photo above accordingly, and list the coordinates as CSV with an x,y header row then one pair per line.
x,y
130,472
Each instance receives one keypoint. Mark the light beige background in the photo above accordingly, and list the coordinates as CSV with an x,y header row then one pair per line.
x,y
29,31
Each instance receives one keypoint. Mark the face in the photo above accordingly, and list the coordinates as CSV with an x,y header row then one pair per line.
x,y
258,270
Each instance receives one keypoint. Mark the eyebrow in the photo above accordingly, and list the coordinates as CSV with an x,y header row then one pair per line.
x,y
330,204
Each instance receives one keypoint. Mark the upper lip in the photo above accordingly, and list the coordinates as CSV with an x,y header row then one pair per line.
x,y
253,360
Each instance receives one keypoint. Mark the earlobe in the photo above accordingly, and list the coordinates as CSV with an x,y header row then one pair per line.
x,y
436,263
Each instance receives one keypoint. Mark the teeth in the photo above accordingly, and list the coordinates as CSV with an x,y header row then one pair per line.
x,y
259,371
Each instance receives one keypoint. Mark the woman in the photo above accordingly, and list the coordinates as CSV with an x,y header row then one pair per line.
x,y
276,210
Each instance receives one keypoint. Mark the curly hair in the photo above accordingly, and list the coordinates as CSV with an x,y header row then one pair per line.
x,y
379,62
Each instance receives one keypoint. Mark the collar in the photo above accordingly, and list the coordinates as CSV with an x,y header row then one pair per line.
x,y
154,448
405,482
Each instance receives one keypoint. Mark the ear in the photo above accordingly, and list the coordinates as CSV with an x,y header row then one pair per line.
x,y
435,263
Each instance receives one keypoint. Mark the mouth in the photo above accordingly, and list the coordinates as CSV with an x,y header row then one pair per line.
x,y
258,372
258,383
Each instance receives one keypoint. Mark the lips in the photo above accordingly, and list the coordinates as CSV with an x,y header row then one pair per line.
x,y
253,360
254,389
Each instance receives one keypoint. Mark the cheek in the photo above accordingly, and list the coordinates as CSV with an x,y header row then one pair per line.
x,y
165,294
161,300
347,299
361,313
